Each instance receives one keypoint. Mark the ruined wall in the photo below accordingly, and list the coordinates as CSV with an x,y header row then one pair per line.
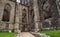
x,y
15,20
2,5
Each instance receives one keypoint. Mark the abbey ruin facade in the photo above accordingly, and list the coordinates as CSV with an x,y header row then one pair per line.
x,y
29,15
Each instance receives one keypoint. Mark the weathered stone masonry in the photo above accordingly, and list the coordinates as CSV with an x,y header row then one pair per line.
x,y
32,15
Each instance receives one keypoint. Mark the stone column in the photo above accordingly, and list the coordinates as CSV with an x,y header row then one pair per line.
x,y
36,17
20,17
11,20
58,7
17,18
2,3
1,9
58,4
27,19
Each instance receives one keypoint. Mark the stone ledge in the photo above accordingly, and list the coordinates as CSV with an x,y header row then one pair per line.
x,y
39,35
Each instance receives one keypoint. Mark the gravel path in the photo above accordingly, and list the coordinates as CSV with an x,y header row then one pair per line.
x,y
25,34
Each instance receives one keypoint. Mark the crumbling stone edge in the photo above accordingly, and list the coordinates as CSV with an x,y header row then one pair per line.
x,y
39,34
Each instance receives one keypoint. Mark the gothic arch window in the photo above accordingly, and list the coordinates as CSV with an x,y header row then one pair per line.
x,y
24,16
24,19
26,2
23,1
32,16
46,9
6,13
32,13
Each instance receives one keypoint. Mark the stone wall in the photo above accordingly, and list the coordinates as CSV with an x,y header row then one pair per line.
x,y
2,4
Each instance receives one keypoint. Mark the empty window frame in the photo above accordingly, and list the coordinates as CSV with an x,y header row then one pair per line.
x,y
6,13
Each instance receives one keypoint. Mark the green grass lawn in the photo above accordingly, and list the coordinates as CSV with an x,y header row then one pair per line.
x,y
7,34
52,33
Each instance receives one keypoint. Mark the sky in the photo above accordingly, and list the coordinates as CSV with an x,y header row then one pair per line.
x,y
18,1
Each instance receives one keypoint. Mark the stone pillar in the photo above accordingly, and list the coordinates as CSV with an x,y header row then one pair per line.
x,y
17,18
36,17
27,19
20,17
58,5
11,20
1,9
2,3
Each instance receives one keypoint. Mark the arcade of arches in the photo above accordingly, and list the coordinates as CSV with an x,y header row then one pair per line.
x,y
29,15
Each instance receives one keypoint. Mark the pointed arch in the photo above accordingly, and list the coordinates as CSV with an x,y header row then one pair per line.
x,y
6,13
24,16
